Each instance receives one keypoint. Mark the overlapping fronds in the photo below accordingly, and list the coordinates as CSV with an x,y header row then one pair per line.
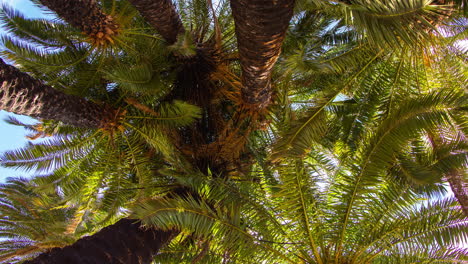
x,y
366,125
101,173
306,131
38,31
50,154
379,174
139,78
398,23
327,218
217,215
301,134
27,54
29,222
57,53
372,159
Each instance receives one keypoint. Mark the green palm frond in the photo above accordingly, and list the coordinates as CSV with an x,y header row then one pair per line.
x,y
300,196
50,154
413,116
31,56
29,223
139,78
42,32
300,136
197,13
398,23
348,57
199,217
306,131
177,113
216,216
449,229
398,221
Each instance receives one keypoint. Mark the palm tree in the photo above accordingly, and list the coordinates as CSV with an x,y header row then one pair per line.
x,y
368,205
24,95
182,130
30,224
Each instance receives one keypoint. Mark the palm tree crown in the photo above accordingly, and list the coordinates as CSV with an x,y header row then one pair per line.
x,y
238,132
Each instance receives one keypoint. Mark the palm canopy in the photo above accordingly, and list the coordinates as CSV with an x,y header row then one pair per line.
x,y
32,221
337,154
364,205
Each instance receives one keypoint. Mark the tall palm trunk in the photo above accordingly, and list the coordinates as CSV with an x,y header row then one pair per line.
x,y
162,15
24,95
260,28
123,242
87,16
458,185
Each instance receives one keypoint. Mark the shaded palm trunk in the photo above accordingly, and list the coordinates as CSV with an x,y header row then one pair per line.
x,y
162,15
455,177
123,242
87,16
24,95
459,187
260,29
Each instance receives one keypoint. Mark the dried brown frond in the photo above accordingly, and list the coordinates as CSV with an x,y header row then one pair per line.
x,y
39,132
231,83
114,124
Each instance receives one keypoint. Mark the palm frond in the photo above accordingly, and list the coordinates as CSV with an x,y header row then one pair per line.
x,y
398,23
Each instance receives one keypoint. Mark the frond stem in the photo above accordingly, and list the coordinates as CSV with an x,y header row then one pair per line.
x,y
306,218
353,197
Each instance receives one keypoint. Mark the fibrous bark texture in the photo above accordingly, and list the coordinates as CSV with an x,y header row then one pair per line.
x,y
124,242
162,15
85,15
24,95
260,28
458,184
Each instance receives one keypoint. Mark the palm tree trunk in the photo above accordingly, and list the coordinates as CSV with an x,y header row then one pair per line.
x,y
87,16
162,15
455,177
123,242
260,29
459,187
24,95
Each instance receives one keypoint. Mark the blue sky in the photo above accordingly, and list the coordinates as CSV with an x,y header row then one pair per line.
x,y
12,137
25,6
